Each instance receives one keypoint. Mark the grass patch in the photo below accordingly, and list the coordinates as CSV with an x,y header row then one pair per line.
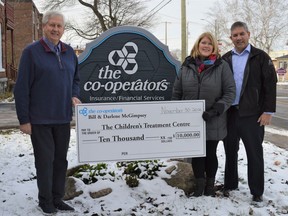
x,y
8,96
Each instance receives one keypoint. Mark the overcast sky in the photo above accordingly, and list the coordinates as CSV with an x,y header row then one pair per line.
x,y
196,12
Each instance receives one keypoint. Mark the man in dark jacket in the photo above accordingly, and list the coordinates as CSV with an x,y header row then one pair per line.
x,y
47,86
255,102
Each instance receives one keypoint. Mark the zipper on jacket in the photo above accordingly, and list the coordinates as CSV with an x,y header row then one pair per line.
x,y
200,79
199,84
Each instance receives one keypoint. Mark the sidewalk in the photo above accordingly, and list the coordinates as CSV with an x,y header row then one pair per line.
x,y
277,139
8,117
8,120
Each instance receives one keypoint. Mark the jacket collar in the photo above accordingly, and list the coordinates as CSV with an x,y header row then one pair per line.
x,y
47,49
247,49
253,52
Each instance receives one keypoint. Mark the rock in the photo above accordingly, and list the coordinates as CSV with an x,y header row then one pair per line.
x,y
170,169
70,189
183,179
100,193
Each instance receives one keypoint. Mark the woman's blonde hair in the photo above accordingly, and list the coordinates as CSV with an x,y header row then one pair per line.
x,y
195,50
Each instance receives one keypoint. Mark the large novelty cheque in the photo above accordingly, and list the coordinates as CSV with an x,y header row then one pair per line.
x,y
140,130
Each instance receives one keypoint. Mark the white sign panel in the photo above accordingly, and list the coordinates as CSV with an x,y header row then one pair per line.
x,y
140,130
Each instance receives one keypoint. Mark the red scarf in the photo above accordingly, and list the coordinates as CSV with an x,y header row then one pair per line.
x,y
206,63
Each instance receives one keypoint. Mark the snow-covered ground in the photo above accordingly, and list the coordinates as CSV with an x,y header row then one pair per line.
x,y
18,189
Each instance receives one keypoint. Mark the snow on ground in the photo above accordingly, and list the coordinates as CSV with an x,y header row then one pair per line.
x,y
18,190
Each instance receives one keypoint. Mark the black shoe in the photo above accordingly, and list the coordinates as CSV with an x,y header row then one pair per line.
x,y
210,191
199,187
257,198
47,208
226,191
62,206
210,187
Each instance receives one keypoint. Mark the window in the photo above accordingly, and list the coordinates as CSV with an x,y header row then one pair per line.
x,y
1,63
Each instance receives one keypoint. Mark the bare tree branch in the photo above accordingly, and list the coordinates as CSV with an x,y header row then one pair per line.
x,y
266,20
105,14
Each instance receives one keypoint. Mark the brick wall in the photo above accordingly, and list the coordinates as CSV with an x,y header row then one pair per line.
x,y
2,22
27,22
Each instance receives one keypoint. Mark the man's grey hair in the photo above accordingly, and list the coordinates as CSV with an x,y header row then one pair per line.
x,y
51,14
239,24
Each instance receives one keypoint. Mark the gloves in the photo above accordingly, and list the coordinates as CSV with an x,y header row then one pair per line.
x,y
219,107
216,110
209,114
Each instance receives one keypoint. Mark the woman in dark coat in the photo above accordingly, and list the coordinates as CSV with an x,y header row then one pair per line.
x,y
205,76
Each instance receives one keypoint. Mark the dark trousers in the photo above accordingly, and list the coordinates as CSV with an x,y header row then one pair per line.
x,y
252,135
206,166
50,144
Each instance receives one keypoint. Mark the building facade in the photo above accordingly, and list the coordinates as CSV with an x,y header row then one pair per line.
x,y
20,24
27,22
282,65
7,46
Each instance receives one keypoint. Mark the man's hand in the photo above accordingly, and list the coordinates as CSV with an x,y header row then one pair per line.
x,y
265,119
26,128
75,101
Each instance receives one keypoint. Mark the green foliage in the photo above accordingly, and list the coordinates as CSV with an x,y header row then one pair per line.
x,y
140,169
132,170
91,173
7,132
132,181
6,96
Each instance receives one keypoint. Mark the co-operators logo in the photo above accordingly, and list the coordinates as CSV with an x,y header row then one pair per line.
x,y
125,58
83,111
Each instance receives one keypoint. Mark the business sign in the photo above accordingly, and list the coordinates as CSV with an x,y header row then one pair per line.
x,y
126,64
140,130
281,71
